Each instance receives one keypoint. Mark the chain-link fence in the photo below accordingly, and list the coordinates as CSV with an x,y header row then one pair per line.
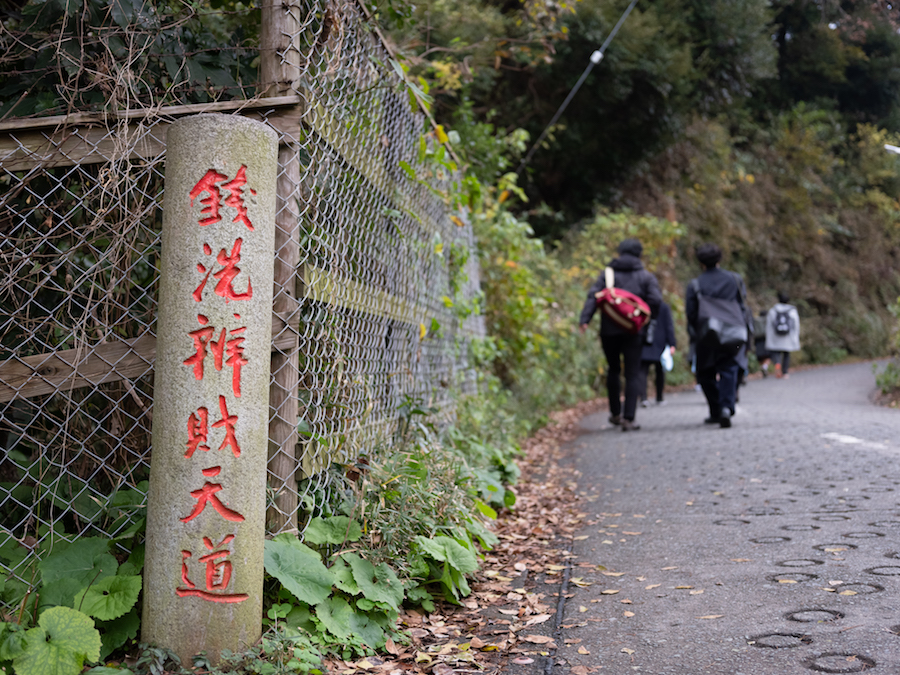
x,y
370,261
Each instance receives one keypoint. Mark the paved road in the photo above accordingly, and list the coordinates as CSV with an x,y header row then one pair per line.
x,y
770,547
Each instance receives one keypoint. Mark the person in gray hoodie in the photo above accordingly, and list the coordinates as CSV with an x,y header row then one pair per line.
x,y
620,346
782,334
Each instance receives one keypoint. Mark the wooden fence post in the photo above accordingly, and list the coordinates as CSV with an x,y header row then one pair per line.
x,y
279,74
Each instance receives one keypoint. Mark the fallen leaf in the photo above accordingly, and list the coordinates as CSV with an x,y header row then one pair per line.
x,y
582,650
627,651
520,566
697,592
540,618
650,587
740,559
422,657
664,569
581,670
631,533
391,647
442,669
606,541
628,614
476,643
613,574
626,601
638,515
682,588
582,609
835,582
689,503
556,568
787,581
830,590
538,639
580,537
510,612
609,591
641,578
572,641
522,660
711,616
578,581
847,593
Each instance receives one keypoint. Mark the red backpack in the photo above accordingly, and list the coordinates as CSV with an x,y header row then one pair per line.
x,y
623,307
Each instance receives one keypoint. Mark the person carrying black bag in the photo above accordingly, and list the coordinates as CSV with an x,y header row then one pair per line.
x,y
717,321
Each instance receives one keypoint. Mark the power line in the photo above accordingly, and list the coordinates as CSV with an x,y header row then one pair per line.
x,y
596,58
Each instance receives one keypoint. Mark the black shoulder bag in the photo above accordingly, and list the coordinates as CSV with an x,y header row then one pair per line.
x,y
721,323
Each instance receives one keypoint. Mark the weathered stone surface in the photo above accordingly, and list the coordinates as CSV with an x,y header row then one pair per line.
x,y
204,555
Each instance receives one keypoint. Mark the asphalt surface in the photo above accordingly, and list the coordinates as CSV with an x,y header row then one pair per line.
x,y
769,547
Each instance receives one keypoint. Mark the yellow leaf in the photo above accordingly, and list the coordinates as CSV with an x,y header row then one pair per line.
x,y
628,614
422,657
786,581
847,593
439,248
698,592
456,220
503,196
582,609
711,616
609,591
632,533
422,331
441,134
627,651
681,588
651,587
558,568
582,650
580,538
613,574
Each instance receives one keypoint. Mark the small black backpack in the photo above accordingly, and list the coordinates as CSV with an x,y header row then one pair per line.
x,y
782,323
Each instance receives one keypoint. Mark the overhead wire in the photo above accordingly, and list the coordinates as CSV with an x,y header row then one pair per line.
x,y
596,57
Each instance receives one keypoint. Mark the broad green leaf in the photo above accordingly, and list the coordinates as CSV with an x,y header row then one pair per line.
x,y
485,509
59,645
61,592
299,569
116,633
377,583
84,561
333,530
343,577
450,551
109,598
300,618
338,617
12,641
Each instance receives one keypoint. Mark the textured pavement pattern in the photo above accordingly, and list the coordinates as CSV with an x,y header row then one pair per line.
x,y
770,547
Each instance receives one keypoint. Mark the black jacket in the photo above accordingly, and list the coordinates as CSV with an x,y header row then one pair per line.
x,y
631,276
663,334
716,283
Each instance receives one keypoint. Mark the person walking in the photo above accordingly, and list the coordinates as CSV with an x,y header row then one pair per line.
x,y
782,334
759,342
717,367
619,345
663,339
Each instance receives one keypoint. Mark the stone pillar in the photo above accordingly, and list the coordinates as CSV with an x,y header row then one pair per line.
x,y
203,576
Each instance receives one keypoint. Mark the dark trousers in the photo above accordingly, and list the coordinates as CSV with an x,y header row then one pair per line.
x,y
784,358
720,392
619,349
660,379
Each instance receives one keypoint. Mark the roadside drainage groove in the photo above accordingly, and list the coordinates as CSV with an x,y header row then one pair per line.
x,y
799,562
839,662
884,571
839,508
885,523
770,540
763,511
877,488
800,528
792,577
731,522
814,615
560,610
780,640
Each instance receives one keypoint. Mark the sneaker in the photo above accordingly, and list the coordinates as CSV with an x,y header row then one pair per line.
x,y
615,419
711,420
725,418
645,403
778,370
765,371
630,425
661,402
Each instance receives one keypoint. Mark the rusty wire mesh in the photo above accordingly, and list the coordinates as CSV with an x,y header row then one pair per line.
x,y
364,314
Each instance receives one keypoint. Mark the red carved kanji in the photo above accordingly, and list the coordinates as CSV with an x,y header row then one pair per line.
x,y
207,495
213,199
226,275
197,431
218,574
201,338
235,199
228,421
233,348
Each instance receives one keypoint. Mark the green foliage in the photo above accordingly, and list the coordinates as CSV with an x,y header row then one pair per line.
x,y
61,642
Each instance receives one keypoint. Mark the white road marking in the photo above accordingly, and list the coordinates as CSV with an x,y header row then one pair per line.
x,y
853,440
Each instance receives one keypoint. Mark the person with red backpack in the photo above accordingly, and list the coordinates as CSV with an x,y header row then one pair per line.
x,y
622,332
